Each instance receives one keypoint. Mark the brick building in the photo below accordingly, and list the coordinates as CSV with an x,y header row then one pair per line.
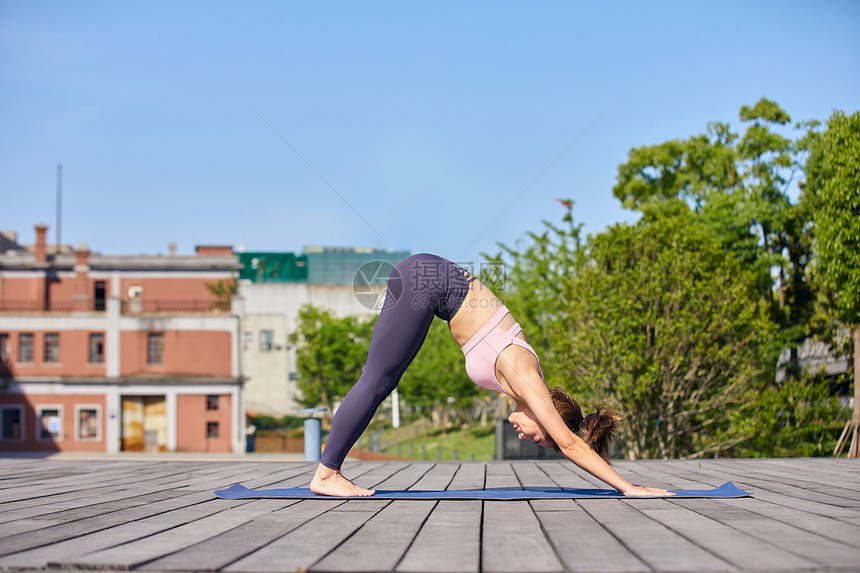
x,y
110,353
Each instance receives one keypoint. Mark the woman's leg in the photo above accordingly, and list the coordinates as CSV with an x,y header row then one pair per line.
x,y
397,338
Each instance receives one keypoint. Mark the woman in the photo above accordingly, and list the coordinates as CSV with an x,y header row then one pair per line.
x,y
497,357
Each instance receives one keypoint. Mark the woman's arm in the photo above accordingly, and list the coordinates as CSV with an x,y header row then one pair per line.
x,y
531,390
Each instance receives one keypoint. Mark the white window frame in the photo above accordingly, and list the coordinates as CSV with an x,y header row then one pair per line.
x,y
41,408
21,414
98,409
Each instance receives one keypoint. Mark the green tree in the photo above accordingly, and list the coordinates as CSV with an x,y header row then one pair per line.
x,y
797,418
740,186
436,381
330,354
835,193
666,327
224,290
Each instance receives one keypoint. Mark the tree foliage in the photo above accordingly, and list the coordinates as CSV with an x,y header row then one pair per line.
x,y
800,417
835,195
665,327
740,185
436,380
330,354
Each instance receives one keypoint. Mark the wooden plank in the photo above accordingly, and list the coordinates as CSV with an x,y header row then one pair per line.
x,y
390,533
500,474
469,475
449,541
62,551
813,547
566,474
727,543
769,491
653,473
62,502
799,484
531,476
230,546
438,478
661,548
804,515
141,551
50,533
826,526
581,543
305,545
819,471
407,476
512,540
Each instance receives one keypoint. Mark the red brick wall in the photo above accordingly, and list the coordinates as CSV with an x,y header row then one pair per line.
x,y
192,420
170,289
185,352
74,355
69,440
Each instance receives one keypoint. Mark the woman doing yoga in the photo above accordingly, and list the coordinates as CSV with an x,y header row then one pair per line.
x,y
497,357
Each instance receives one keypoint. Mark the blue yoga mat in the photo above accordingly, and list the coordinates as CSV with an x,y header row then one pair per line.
x,y
238,491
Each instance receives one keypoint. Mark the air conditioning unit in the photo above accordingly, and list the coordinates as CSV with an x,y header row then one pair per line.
x,y
135,299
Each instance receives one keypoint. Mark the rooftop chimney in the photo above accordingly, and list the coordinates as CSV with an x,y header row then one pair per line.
x,y
41,250
214,250
171,249
82,258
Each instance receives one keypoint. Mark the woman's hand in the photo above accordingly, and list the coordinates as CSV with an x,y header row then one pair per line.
x,y
642,491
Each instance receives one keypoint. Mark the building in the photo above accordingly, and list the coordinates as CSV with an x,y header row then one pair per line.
x,y
109,353
274,286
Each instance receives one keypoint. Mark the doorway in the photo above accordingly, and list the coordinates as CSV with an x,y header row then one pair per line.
x,y
144,424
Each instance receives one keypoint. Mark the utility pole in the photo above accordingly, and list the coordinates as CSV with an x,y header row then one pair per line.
x,y
59,208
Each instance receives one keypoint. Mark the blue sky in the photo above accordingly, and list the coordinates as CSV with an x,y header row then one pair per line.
x,y
429,119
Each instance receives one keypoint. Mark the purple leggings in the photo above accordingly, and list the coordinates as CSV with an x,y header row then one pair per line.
x,y
419,288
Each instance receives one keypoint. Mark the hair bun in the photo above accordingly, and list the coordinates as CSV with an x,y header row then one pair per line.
x,y
598,429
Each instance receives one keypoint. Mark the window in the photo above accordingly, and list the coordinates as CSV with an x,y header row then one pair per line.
x,y
25,348
211,429
266,340
96,348
52,347
88,423
211,402
99,296
155,348
4,349
12,422
50,423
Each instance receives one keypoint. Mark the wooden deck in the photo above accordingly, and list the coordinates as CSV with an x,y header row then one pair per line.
x,y
120,514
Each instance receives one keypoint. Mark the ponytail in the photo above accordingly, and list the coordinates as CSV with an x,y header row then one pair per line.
x,y
597,428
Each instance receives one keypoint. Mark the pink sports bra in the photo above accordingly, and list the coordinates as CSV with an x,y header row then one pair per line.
x,y
482,351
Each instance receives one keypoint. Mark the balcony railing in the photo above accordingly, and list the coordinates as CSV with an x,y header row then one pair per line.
x,y
172,306
129,307
30,305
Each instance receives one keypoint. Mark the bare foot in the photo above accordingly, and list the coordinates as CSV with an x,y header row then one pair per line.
x,y
331,482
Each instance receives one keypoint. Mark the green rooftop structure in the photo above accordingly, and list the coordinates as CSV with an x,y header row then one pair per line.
x,y
269,267
317,265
